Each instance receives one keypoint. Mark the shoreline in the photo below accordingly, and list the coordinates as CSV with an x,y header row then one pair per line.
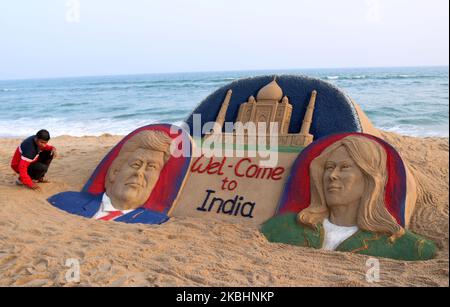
x,y
112,135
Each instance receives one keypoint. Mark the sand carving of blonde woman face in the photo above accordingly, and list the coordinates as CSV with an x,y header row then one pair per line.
x,y
343,185
348,185
135,171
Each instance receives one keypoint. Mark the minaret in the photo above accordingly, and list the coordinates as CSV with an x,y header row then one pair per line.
x,y
220,120
305,136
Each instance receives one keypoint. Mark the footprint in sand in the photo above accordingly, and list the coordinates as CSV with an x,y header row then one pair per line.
x,y
39,280
41,265
105,266
7,260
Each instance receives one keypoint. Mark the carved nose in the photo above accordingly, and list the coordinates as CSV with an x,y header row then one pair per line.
x,y
334,174
140,172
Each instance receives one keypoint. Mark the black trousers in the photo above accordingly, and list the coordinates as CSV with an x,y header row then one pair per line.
x,y
38,169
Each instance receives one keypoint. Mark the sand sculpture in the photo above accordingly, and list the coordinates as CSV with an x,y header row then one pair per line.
x,y
334,111
348,193
137,182
334,185
269,107
133,174
237,188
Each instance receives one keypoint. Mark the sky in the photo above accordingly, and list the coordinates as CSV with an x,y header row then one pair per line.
x,y
61,38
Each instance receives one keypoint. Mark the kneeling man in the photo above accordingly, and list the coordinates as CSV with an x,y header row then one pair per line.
x,y
32,159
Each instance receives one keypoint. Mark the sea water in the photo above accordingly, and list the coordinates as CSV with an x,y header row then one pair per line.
x,y
411,101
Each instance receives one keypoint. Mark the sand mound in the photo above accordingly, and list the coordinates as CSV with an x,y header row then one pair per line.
x,y
36,239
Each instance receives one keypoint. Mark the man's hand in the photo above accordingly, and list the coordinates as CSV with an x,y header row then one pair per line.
x,y
36,188
53,152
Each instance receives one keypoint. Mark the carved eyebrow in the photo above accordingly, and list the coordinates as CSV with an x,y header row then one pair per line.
x,y
329,163
348,162
147,159
151,160
154,162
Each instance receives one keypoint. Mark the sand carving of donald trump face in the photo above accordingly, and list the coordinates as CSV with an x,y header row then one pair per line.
x,y
133,174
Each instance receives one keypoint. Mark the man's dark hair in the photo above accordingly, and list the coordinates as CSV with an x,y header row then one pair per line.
x,y
43,135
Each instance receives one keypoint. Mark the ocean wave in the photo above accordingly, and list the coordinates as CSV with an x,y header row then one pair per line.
x,y
73,104
381,77
418,131
113,108
219,80
25,126
125,87
62,126
155,113
114,82
408,101
357,77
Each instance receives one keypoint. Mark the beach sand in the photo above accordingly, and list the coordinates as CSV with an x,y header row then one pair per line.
x,y
36,239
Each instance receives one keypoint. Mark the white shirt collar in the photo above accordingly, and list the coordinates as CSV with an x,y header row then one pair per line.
x,y
331,226
106,208
107,205
335,235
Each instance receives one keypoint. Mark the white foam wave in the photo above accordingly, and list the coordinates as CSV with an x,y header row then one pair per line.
x,y
60,126
418,131
23,127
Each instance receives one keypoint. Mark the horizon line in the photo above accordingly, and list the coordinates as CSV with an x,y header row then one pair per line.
x,y
219,71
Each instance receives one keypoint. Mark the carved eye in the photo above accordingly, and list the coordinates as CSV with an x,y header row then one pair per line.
x,y
346,166
136,164
329,167
151,166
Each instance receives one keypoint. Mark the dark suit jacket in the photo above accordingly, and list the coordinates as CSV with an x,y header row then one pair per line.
x,y
87,205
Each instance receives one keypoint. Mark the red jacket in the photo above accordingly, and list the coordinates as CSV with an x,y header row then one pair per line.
x,y
25,154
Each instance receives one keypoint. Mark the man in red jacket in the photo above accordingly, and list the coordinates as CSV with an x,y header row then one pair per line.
x,y
32,159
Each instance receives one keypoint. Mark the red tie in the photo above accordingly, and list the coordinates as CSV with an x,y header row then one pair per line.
x,y
111,215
